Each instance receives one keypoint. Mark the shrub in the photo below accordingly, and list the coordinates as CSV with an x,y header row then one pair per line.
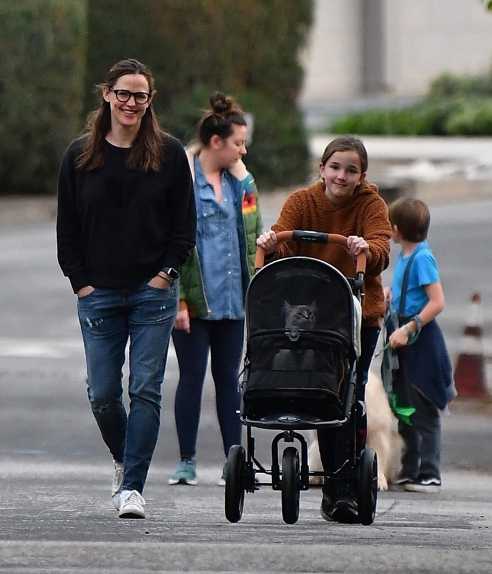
x,y
43,57
473,119
452,86
454,106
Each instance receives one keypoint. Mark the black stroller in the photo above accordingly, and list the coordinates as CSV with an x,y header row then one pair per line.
x,y
303,341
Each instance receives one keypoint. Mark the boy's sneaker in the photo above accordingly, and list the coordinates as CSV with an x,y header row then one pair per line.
x,y
401,481
131,504
431,485
185,473
117,482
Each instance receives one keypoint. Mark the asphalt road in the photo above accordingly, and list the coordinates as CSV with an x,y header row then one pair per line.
x,y
55,474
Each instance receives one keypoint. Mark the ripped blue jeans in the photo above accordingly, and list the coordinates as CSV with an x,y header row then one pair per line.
x,y
108,318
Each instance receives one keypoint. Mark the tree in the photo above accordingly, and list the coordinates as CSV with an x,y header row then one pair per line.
x,y
43,48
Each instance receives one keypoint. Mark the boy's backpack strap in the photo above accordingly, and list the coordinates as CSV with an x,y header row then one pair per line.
x,y
404,284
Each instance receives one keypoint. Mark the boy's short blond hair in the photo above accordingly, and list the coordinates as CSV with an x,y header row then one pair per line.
x,y
412,217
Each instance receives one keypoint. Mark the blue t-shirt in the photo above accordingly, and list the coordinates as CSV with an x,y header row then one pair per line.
x,y
217,242
424,271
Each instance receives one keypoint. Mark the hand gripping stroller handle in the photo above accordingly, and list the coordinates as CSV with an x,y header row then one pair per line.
x,y
314,237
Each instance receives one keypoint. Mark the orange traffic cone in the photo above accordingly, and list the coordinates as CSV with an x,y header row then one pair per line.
x,y
469,374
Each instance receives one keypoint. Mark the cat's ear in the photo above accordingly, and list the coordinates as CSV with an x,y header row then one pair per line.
x,y
287,306
314,306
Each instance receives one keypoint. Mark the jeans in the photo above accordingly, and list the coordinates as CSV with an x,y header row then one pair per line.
x,y
335,442
224,338
422,456
108,318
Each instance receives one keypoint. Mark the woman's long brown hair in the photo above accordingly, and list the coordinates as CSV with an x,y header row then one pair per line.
x,y
146,151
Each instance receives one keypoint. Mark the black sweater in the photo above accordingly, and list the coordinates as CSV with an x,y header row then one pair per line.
x,y
118,227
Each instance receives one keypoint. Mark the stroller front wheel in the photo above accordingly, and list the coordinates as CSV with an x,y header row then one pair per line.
x,y
290,485
368,486
234,486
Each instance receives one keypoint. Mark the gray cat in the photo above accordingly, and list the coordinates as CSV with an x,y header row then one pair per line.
x,y
299,317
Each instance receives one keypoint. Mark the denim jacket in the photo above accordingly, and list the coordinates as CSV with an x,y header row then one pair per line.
x,y
192,292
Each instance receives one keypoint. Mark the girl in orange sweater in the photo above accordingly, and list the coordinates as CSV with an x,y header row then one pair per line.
x,y
342,202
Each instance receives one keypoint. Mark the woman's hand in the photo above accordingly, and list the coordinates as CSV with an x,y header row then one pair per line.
x,y
357,245
85,291
159,282
268,241
182,322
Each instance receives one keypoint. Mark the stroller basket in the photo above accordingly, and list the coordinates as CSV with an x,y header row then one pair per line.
x,y
297,381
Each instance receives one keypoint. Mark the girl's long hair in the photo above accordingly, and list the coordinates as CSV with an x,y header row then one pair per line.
x,y
146,150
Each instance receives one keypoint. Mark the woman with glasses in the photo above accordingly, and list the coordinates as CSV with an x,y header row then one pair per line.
x,y
126,222
214,280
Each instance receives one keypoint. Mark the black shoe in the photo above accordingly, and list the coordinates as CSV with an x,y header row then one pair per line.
x,y
326,507
345,510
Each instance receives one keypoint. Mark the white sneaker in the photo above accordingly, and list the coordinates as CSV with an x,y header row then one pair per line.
x,y
131,504
221,479
117,482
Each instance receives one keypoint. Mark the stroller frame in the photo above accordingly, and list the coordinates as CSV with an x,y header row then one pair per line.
x,y
292,475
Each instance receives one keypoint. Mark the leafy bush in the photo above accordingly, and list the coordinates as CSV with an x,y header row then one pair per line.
x,y
473,119
454,105
43,48
452,86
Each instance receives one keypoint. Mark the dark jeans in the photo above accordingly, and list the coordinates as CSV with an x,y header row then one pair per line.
x,y
334,443
108,318
422,455
225,341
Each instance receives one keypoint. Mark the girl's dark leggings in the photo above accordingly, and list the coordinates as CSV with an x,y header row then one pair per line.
x,y
224,339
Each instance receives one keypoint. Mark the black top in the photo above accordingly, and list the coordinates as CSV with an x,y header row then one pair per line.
x,y
117,226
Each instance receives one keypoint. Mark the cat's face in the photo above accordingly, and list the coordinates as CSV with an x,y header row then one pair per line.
x,y
300,316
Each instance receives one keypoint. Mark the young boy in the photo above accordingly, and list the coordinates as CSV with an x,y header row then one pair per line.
x,y
424,363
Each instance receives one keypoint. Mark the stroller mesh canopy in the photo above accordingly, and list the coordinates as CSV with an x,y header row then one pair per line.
x,y
300,315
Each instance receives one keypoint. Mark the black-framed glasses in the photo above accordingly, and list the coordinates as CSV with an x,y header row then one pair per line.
x,y
124,96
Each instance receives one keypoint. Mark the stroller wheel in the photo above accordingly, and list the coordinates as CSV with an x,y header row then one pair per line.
x,y
290,485
234,487
367,486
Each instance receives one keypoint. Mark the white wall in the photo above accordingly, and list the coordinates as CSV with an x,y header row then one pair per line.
x,y
332,58
422,39
427,37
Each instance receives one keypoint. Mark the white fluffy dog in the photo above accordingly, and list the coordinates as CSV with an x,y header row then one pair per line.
x,y
382,431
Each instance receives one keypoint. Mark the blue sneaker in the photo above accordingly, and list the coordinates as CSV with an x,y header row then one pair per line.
x,y
185,473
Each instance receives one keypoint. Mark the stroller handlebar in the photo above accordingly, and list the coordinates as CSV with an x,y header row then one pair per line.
x,y
314,237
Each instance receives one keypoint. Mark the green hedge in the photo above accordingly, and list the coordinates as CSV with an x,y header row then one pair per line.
x,y
454,105
248,48
43,61
473,119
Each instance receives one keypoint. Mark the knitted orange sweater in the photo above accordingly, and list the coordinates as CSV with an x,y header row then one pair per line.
x,y
366,216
